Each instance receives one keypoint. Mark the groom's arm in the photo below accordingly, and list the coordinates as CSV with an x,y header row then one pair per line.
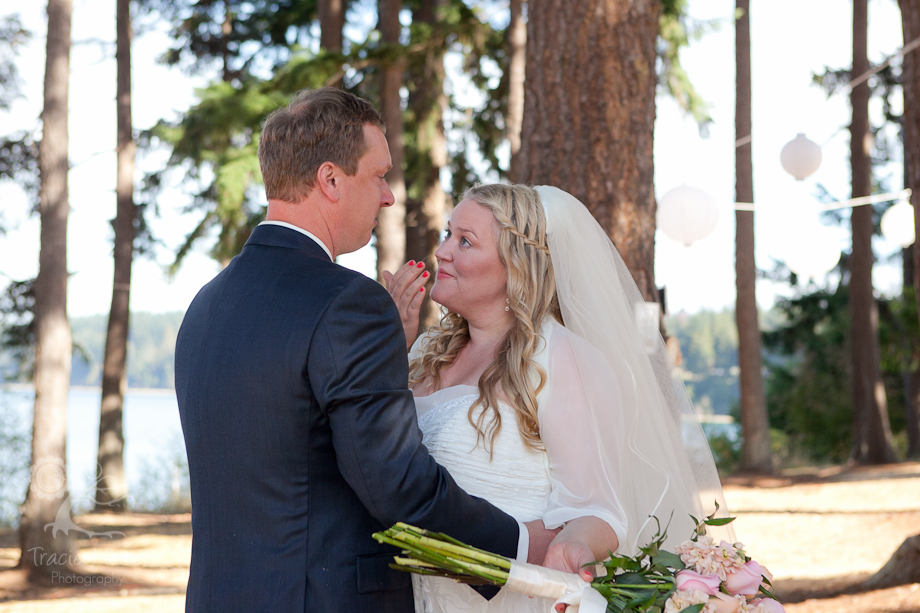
x,y
358,372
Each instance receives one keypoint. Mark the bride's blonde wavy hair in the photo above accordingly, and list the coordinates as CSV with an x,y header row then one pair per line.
x,y
523,252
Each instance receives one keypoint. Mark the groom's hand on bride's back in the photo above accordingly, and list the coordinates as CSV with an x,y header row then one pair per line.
x,y
540,539
582,541
407,287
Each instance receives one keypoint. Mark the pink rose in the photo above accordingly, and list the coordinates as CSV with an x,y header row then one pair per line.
x,y
745,580
692,580
723,603
768,605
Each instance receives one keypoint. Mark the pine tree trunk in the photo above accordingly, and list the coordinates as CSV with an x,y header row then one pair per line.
x,y
911,374
426,210
589,116
111,485
871,432
910,81
331,21
391,221
42,551
517,62
755,425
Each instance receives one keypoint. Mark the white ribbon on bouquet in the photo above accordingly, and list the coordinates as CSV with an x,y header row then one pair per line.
x,y
564,588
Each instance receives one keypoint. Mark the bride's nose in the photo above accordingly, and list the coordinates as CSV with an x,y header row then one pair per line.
x,y
442,252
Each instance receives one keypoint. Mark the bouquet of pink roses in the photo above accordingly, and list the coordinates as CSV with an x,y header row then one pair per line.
x,y
701,576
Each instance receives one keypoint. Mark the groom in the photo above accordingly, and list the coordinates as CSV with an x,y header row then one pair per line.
x,y
291,379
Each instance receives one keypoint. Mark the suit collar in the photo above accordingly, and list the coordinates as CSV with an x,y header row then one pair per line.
x,y
272,235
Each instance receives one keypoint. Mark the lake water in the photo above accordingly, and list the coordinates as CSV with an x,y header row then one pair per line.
x,y
155,461
154,449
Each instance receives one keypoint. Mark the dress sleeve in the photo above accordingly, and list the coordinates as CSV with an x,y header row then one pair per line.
x,y
580,416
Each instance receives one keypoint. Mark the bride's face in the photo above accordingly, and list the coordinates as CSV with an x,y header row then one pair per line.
x,y
471,279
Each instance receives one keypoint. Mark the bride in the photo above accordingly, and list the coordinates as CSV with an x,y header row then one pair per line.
x,y
539,392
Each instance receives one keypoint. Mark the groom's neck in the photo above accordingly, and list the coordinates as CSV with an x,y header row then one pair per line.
x,y
304,214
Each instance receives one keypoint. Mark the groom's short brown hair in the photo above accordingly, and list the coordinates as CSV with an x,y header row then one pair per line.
x,y
320,125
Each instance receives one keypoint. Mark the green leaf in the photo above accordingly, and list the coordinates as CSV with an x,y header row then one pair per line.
x,y
632,579
671,560
721,521
643,598
696,608
617,562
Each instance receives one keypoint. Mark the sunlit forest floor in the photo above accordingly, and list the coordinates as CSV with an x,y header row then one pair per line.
x,y
821,533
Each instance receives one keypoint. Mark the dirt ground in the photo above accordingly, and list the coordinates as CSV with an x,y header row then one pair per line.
x,y
820,534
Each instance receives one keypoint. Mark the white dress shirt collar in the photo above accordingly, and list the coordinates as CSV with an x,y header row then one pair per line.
x,y
310,235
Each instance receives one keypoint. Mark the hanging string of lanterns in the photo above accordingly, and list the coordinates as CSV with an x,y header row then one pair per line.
x,y
688,214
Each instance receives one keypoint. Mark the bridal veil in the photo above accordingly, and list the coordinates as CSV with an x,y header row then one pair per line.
x,y
656,454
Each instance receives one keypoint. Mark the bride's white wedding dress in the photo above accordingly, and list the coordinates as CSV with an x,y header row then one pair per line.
x,y
621,440
525,483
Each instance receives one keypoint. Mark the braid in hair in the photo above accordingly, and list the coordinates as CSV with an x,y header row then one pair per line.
x,y
532,297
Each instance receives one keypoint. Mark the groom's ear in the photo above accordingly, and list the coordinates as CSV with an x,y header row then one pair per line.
x,y
329,180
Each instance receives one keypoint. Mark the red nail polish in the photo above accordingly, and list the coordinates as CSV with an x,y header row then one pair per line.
x,y
421,289
411,262
425,274
421,264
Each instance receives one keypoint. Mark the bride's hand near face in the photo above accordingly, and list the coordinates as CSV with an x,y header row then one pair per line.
x,y
407,287
582,541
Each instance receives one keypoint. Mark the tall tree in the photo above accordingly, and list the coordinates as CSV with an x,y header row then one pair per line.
x,y
331,21
589,115
427,206
904,565
871,433
911,372
755,425
517,63
42,550
111,485
391,222
910,82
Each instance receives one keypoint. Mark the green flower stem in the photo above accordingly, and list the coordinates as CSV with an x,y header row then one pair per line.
x,y
447,538
464,551
432,551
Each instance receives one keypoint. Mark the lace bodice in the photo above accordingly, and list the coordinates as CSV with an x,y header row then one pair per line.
x,y
516,480
578,474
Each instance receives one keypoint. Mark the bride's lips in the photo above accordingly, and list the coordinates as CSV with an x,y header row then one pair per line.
x,y
443,275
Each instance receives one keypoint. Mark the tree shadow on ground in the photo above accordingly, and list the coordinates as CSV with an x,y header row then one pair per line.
x,y
92,578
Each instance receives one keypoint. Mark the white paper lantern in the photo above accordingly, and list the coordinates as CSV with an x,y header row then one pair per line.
x,y
809,249
898,224
687,214
817,259
800,157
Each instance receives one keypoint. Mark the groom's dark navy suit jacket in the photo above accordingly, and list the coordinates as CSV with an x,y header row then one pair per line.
x,y
302,439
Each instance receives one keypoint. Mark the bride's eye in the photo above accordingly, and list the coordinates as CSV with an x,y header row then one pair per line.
x,y
465,242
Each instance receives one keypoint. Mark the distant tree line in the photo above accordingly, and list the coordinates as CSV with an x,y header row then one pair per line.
x,y
151,345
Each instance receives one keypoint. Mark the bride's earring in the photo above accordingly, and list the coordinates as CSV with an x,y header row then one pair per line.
x,y
507,304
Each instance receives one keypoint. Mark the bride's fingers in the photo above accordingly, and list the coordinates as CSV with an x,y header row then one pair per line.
x,y
387,277
415,305
404,278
